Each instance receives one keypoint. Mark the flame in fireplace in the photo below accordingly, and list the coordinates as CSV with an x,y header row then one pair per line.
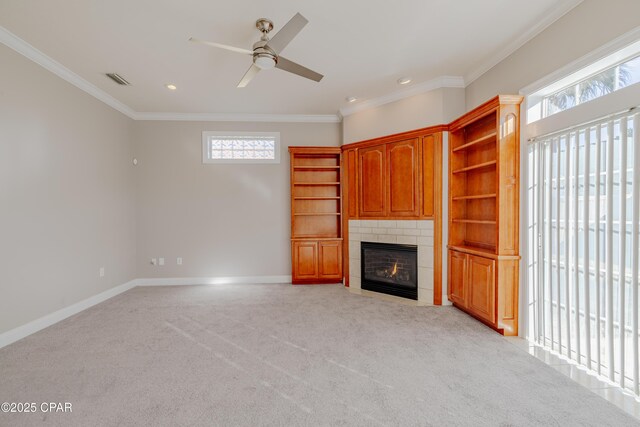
x,y
395,269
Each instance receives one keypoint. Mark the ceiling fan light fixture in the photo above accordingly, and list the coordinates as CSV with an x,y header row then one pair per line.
x,y
171,86
264,62
266,51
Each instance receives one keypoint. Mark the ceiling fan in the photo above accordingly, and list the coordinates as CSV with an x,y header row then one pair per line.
x,y
266,51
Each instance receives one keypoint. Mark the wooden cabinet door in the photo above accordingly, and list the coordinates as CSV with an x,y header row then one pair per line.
x,y
372,181
330,259
457,277
481,287
402,170
305,260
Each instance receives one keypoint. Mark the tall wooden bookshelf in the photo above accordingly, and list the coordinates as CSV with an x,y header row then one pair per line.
x,y
484,159
316,209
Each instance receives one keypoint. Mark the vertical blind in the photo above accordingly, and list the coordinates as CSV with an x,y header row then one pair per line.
x,y
583,236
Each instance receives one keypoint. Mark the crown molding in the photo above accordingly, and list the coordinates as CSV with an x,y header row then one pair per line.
x,y
429,85
28,51
25,49
239,117
558,12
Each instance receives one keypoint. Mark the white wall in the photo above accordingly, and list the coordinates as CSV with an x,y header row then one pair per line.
x,y
223,220
426,109
590,25
67,202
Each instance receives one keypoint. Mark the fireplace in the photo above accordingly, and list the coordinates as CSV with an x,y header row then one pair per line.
x,y
390,268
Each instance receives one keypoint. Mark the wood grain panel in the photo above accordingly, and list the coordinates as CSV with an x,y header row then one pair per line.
x,y
350,202
305,259
508,297
372,181
481,287
457,277
508,180
428,162
402,173
352,183
436,189
330,259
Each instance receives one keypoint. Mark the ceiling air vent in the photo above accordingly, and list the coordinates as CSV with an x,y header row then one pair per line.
x,y
118,79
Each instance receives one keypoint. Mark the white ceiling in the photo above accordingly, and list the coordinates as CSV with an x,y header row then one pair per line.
x,y
361,46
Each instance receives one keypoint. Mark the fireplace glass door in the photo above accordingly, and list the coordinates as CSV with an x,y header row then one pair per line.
x,y
390,269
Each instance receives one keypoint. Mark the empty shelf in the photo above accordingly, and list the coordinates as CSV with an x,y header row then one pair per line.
x,y
317,168
317,183
317,198
316,213
480,140
474,221
476,197
474,167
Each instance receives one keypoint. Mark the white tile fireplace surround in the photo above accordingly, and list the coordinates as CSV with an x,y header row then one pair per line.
x,y
407,232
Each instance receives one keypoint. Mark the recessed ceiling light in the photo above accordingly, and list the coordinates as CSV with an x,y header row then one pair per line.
x,y
351,99
404,81
171,86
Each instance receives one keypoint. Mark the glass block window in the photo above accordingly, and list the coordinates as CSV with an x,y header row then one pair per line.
x,y
240,147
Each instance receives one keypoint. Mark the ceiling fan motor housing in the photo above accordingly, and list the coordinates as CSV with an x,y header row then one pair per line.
x,y
263,56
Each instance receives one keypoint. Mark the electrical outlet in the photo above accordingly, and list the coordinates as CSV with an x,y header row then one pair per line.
x,y
101,272
161,261
153,261
179,260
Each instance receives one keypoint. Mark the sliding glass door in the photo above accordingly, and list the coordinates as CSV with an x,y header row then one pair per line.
x,y
583,231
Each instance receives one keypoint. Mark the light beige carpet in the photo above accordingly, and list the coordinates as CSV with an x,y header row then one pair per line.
x,y
279,355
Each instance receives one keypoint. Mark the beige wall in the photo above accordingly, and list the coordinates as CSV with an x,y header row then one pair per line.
x,y
426,109
67,202
590,25
223,220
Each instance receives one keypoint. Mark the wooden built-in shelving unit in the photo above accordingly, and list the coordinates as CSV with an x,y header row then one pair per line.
x,y
484,161
396,177
316,209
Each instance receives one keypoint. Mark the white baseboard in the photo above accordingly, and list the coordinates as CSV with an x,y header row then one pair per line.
x,y
32,327
179,281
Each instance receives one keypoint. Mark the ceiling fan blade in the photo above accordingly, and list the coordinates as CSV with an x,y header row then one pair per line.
x,y
287,33
222,46
250,74
292,67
